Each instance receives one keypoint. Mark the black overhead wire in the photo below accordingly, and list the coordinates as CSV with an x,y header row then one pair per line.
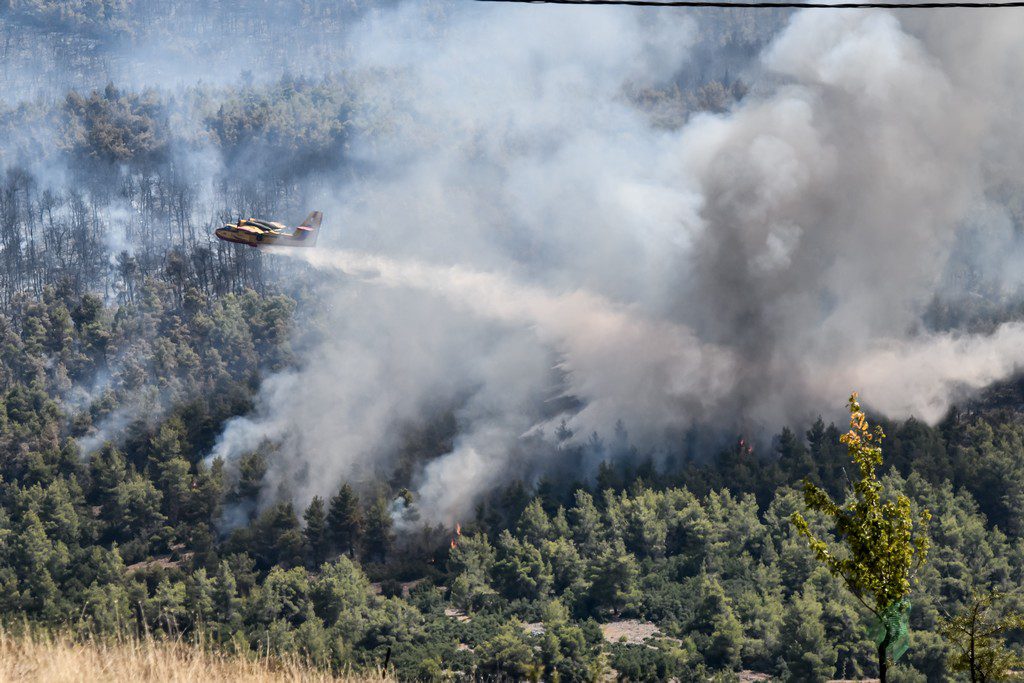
x,y
785,5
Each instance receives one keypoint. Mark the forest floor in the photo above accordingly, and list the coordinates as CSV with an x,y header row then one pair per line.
x,y
629,631
65,659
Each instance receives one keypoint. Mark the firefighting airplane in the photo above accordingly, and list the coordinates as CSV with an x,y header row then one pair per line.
x,y
257,233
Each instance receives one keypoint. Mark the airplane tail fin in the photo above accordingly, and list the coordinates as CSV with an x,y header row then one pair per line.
x,y
309,230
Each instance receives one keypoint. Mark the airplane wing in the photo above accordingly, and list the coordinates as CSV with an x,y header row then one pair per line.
x,y
266,226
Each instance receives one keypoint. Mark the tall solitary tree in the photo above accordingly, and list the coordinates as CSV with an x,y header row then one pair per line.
x,y
883,548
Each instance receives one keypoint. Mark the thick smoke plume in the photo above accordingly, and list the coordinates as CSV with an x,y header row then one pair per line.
x,y
525,247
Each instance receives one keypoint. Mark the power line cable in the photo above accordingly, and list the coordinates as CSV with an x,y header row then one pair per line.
x,y
774,5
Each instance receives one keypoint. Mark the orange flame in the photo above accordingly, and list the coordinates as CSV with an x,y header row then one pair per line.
x,y
458,529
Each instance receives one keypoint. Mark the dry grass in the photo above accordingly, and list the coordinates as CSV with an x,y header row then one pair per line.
x,y
62,659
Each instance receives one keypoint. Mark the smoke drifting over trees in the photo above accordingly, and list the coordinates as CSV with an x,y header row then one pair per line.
x,y
870,162
586,280
670,252
761,259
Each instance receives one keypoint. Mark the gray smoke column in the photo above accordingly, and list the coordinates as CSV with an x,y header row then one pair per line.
x,y
524,233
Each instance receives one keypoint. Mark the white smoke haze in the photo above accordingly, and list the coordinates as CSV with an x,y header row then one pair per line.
x,y
652,374
523,233
147,405
922,377
614,361
110,429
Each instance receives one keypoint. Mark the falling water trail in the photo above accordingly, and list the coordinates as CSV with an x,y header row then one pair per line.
x,y
486,294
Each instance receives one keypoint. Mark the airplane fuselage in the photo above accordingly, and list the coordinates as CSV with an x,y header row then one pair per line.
x,y
258,233
244,234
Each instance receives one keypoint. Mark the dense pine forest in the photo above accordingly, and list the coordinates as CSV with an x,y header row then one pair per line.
x,y
132,535
130,336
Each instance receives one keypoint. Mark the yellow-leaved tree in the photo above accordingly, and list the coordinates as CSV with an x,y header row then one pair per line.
x,y
883,549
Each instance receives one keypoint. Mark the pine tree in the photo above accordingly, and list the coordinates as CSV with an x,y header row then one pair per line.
x,y
107,469
794,458
716,621
169,440
135,510
167,606
345,520
279,537
614,578
807,653
251,470
175,482
34,557
978,632
225,595
471,562
199,596
534,523
315,532
585,521
378,538
521,569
